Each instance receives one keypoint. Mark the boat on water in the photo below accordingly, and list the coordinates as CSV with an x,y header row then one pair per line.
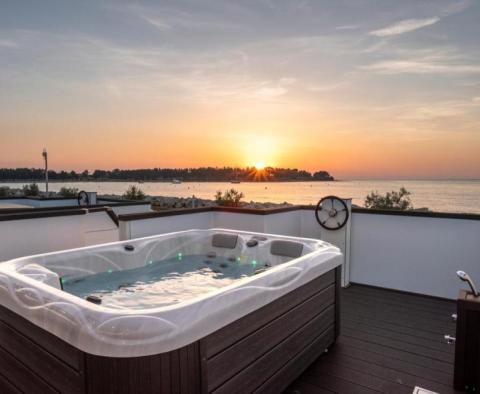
x,y
176,181
235,181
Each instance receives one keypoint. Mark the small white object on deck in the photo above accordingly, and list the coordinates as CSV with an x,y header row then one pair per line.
x,y
419,390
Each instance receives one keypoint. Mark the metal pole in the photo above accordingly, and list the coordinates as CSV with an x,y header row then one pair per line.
x,y
45,156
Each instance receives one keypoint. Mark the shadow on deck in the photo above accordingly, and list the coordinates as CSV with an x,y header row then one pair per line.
x,y
390,342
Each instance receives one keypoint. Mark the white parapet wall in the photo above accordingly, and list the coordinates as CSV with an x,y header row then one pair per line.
x,y
283,223
40,203
121,209
413,253
24,236
98,228
164,224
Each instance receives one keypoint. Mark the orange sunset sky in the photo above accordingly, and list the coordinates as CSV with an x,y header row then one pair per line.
x,y
362,89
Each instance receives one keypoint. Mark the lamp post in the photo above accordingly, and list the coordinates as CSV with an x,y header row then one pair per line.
x,y
45,157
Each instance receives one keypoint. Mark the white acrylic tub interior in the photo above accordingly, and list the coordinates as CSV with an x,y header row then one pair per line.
x,y
30,286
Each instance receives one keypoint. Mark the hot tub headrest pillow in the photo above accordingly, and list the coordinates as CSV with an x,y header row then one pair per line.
x,y
286,248
226,241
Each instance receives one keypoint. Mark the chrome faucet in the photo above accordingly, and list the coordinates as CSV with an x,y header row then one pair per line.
x,y
466,278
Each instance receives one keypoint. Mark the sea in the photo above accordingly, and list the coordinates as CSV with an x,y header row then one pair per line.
x,y
436,195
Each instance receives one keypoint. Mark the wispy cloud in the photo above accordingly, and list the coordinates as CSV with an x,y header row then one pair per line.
x,y
421,67
156,22
164,19
347,27
457,7
404,26
327,87
7,43
271,92
436,110
277,89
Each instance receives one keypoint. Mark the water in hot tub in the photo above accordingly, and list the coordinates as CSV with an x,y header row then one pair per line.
x,y
165,282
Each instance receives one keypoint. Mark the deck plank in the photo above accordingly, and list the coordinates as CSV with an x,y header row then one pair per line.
x,y
390,342
436,343
393,343
387,294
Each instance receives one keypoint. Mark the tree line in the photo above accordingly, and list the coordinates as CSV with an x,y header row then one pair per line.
x,y
218,174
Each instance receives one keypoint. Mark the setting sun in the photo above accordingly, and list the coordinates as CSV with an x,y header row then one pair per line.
x,y
261,149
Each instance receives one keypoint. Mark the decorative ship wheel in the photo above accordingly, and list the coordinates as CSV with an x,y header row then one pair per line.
x,y
83,198
331,213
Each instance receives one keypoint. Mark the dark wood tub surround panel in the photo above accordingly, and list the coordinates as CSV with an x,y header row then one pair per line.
x,y
34,360
264,345
6,387
338,298
228,335
261,352
173,372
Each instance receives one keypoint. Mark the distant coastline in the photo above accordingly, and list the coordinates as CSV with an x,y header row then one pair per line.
x,y
21,181
202,174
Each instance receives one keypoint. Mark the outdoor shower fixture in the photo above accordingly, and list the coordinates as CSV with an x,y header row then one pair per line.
x,y
466,278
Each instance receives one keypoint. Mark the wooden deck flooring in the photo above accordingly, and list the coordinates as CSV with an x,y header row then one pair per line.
x,y
390,342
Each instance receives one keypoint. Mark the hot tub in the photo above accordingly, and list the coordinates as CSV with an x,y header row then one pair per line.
x,y
193,311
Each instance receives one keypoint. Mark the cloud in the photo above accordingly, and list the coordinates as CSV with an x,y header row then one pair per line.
x,y
404,26
287,81
421,67
156,22
347,27
409,25
457,7
7,44
435,110
88,65
271,92
167,18
326,88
